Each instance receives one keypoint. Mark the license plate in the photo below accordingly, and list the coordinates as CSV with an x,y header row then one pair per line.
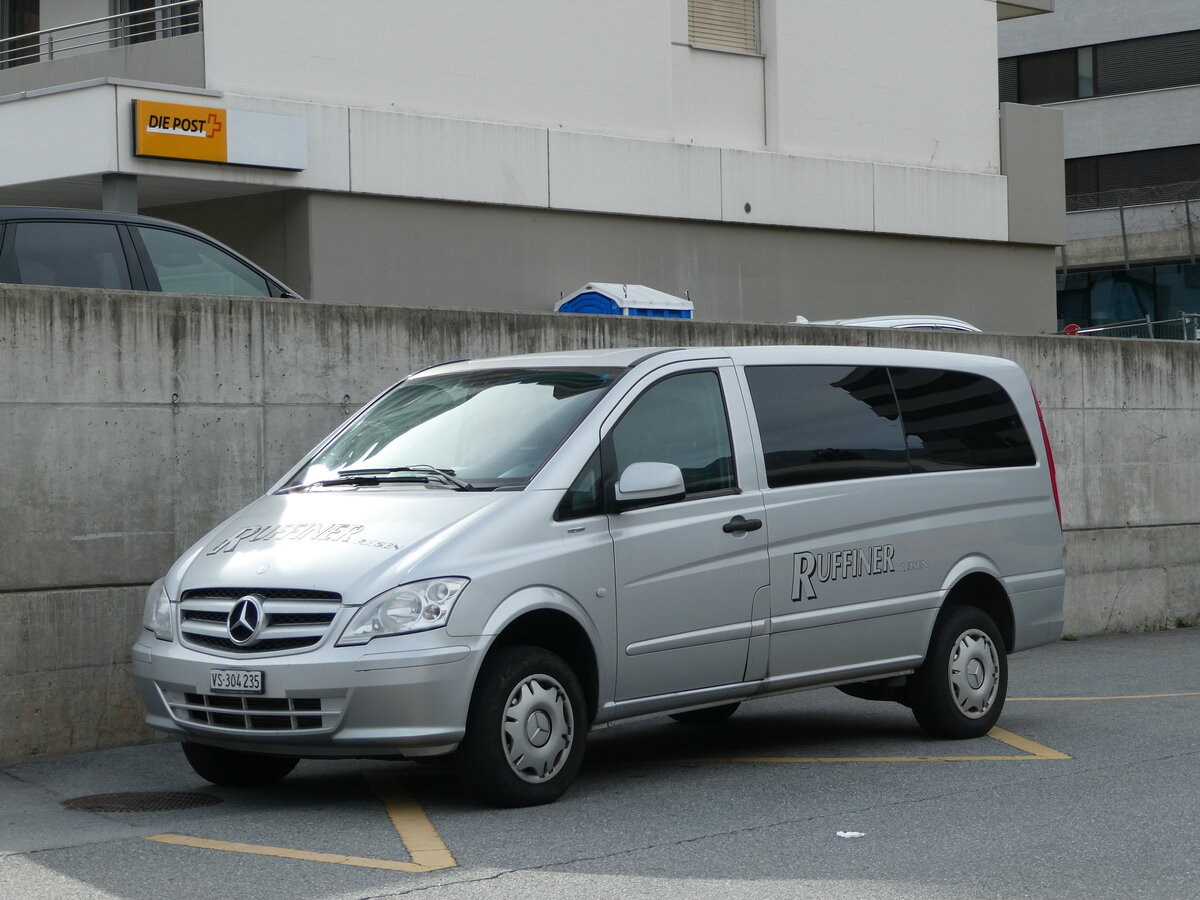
x,y
236,681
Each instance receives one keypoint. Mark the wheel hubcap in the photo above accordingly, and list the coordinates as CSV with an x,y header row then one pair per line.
x,y
974,673
538,728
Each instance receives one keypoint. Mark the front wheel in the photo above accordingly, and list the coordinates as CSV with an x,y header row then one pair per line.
x,y
526,729
959,691
236,768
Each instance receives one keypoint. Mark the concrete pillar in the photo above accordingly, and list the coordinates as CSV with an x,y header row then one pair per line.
x,y
119,192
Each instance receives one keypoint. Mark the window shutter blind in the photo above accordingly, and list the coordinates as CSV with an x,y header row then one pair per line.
x,y
1008,80
723,24
1146,64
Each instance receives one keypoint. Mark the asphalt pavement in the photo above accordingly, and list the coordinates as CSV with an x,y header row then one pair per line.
x,y
1086,790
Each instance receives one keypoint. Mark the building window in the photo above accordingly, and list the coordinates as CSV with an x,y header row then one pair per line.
x,y
1119,67
147,20
1164,294
723,25
18,17
1161,175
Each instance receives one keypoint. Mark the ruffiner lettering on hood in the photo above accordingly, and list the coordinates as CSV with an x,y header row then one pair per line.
x,y
340,532
838,565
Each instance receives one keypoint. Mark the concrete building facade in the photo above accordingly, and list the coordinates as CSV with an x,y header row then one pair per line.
x,y
766,158
1127,80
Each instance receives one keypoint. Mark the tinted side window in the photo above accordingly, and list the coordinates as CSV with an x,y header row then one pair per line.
x,y
74,254
187,265
680,420
955,420
826,423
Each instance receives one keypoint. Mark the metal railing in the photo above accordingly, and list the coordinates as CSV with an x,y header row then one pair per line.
x,y
1181,200
1184,327
122,29
1176,192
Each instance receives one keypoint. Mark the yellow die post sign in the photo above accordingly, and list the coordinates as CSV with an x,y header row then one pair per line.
x,y
172,131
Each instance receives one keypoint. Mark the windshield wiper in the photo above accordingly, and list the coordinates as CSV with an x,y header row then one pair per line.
x,y
447,475
373,477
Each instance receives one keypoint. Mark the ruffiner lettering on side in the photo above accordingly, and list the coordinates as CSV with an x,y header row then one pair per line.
x,y
838,565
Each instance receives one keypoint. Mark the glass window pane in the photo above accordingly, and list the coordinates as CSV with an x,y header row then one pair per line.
x,y
1047,77
187,265
680,420
493,428
826,423
956,420
585,496
1086,86
75,254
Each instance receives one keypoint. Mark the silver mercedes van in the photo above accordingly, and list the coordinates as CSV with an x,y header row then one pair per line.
x,y
496,555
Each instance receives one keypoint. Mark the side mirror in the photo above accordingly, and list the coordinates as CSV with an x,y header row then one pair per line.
x,y
645,483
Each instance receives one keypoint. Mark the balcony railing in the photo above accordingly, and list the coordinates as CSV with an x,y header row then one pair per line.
x,y
1176,192
123,29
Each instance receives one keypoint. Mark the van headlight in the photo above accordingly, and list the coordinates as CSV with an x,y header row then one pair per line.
x,y
418,606
157,615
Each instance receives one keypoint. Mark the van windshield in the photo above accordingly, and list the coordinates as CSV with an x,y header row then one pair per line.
x,y
486,429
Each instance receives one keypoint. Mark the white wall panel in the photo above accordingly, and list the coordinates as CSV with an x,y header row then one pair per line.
x,y
586,66
796,191
1127,122
718,98
935,202
447,159
912,83
58,135
1078,23
640,178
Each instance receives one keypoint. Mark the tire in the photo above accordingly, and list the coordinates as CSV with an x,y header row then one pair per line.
x,y
526,729
710,715
237,768
959,691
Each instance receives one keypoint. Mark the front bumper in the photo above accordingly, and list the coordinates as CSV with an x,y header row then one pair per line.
x,y
397,696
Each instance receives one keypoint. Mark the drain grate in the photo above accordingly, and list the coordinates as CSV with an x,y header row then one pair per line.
x,y
154,801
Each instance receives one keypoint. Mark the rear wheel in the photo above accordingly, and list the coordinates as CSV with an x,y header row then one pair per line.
x,y
236,768
960,689
710,715
526,729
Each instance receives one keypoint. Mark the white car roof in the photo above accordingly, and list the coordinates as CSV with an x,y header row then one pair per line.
x,y
945,323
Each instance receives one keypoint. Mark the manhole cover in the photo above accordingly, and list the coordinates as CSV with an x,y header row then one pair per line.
x,y
155,801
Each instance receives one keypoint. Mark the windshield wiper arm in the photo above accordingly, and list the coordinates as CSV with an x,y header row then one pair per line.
x,y
360,480
447,475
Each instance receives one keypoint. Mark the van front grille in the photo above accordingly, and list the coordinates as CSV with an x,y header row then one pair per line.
x,y
256,713
292,620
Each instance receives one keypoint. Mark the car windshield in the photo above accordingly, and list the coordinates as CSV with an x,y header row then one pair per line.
x,y
485,429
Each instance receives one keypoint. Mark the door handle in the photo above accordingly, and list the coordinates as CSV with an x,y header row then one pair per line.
x,y
740,525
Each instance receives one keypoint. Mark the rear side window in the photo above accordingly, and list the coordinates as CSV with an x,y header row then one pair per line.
x,y
956,420
826,423
187,265
71,254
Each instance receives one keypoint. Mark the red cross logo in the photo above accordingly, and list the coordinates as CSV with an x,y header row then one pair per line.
x,y
214,125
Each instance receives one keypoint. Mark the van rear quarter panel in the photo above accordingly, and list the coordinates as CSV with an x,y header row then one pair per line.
x,y
889,548
859,568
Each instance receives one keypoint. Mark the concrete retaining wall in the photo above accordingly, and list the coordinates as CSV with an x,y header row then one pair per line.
x,y
131,423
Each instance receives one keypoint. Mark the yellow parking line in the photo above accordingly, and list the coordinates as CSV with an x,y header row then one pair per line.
x,y
1081,699
184,840
1032,750
425,846
426,849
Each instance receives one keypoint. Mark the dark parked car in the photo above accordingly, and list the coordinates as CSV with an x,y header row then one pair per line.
x,y
89,248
